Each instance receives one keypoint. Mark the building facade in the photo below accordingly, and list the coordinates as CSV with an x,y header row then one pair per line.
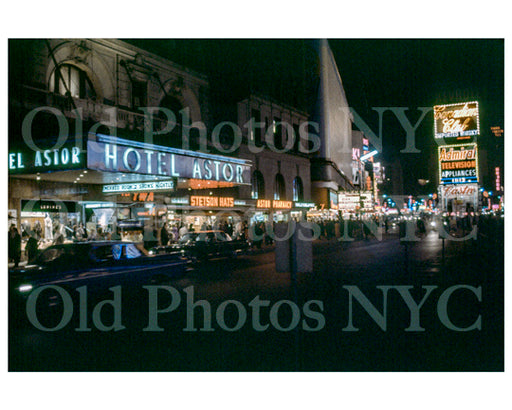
x,y
108,136
112,139
276,143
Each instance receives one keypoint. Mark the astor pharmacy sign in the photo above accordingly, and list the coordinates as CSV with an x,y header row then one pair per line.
x,y
111,154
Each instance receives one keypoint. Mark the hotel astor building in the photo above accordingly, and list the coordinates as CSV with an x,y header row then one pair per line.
x,y
105,134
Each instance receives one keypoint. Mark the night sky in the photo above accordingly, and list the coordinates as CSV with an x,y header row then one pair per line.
x,y
375,73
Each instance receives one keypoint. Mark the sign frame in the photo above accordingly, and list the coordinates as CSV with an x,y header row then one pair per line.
x,y
458,179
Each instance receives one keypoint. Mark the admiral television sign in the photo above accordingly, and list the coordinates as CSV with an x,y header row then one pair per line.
x,y
456,121
458,164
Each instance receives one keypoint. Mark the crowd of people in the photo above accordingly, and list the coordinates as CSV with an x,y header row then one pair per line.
x,y
170,233
257,233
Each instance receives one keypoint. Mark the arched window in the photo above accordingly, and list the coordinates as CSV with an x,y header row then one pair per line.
x,y
278,134
279,188
258,185
173,138
298,190
71,78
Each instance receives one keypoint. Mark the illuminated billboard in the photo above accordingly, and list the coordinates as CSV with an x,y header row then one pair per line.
x,y
355,201
457,122
458,164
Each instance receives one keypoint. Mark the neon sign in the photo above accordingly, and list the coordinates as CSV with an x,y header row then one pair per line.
x,y
113,154
275,204
212,201
460,121
140,186
304,205
63,158
263,203
458,164
457,191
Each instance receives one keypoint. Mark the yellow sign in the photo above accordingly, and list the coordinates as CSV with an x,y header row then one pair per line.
x,y
276,204
281,204
458,164
212,201
263,203
459,120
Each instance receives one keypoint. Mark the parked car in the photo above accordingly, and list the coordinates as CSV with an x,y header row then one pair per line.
x,y
100,264
203,245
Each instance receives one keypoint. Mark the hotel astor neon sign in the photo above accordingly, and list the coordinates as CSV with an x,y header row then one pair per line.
x,y
111,154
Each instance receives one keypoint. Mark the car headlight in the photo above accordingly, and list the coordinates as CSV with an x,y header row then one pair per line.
x,y
25,288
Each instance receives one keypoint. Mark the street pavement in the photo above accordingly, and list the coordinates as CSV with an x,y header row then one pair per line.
x,y
333,345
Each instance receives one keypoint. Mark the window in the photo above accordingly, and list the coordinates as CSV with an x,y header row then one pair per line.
x,y
278,133
103,253
257,135
174,137
258,185
279,188
70,78
296,136
298,190
139,93
51,255
132,251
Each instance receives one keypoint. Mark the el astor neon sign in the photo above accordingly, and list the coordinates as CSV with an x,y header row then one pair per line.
x,y
105,153
62,158
459,120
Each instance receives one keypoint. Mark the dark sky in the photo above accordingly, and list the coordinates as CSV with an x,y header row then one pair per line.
x,y
375,73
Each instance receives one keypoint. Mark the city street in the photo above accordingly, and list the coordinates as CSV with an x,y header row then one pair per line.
x,y
318,338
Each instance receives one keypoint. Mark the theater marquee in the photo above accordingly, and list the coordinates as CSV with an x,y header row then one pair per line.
x,y
458,164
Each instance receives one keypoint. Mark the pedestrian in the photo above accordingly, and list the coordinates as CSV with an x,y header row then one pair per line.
x,y
38,230
14,245
164,235
58,233
174,233
182,231
245,230
31,248
258,239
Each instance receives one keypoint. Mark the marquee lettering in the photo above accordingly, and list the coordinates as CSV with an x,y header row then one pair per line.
x,y
457,155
